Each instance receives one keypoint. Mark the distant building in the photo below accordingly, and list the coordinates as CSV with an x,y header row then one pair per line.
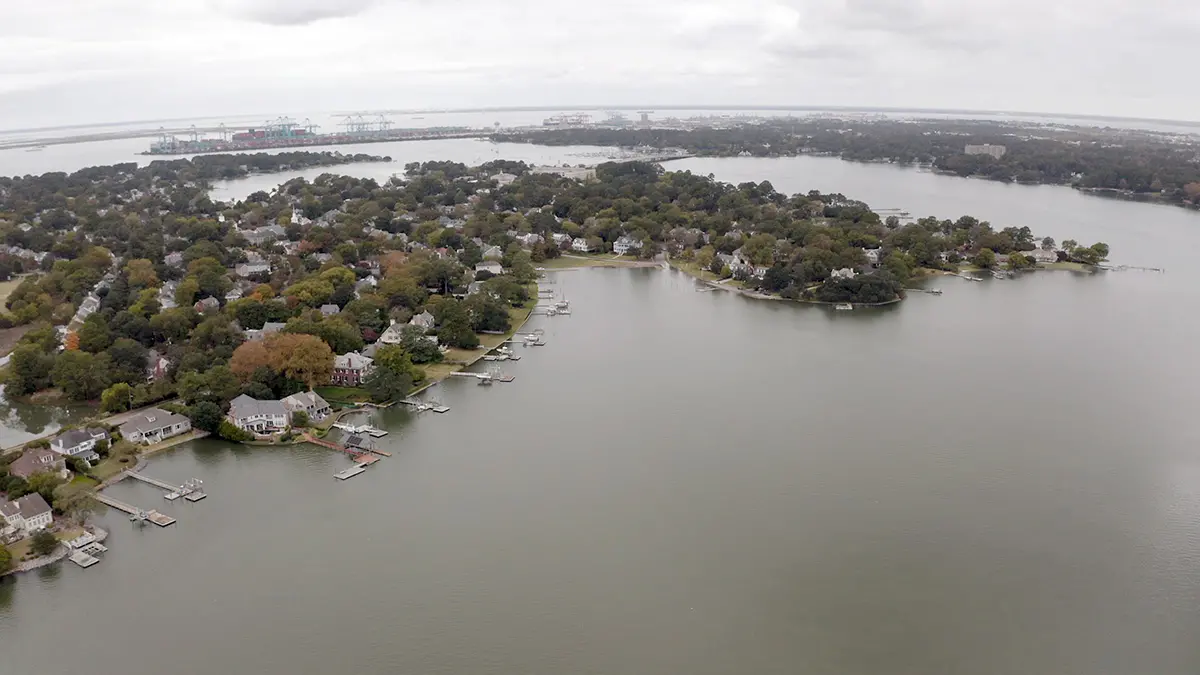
x,y
559,238
27,514
580,244
1042,256
489,266
423,320
154,425
503,179
329,309
249,269
995,151
350,369
207,304
872,255
493,253
844,273
625,244
156,365
174,259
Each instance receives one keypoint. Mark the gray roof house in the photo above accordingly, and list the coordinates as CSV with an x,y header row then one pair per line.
x,y
258,416
28,514
330,309
154,425
308,401
424,320
36,460
79,443
493,253
247,269
489,266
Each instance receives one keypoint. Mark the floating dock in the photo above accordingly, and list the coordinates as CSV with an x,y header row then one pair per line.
x,y
422,406
347,474
83,560
361,429
94,548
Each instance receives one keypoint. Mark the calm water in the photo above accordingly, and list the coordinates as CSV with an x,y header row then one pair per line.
x,y
1003,479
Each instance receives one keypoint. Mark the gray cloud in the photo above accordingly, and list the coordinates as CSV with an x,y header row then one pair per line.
x,y
139,59
292,12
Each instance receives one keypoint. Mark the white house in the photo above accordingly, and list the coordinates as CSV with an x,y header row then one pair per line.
x,y
872,256
529,239
489,266
625,244
424,320
580,244
1042,256
493,253
154,425
248,269
844,273
260,417
28,514
559,238
393,335
309,402
79,443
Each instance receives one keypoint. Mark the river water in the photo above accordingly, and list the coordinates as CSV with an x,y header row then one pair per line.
x,y
1002,479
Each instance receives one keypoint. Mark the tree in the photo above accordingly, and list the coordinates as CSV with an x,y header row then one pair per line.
x,y
44,543
1047,243
986,258
44,483
71,341
206,416
1019,261
230,432
1069,245
299,419
393,376
140,273
487,313
6,561
455,330
248,358
94,335
80,375
305,358
28,370
310,292
117,398
420,348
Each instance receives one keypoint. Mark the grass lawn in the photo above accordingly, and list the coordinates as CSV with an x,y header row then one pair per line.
x,y
20,549
1073,266
7,287
695,270
581,260
348,394
84,481
112,465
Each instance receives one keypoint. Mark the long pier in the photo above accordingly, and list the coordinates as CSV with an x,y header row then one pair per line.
x,y
422,405
359,455
159,519
190,490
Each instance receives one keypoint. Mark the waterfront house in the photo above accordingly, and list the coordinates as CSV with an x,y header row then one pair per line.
x,y
560,238
1042,256
308,402
489,266
424,320
844,273
580,244
154,425
503,178
79,443
261,417
493,253
529,239
329,309
38,460
626,243
27,514
350,369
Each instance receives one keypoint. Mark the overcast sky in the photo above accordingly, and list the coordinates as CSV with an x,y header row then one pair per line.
x,y
76,61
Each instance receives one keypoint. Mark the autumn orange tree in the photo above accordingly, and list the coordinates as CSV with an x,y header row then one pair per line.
x,y
298,357
71,342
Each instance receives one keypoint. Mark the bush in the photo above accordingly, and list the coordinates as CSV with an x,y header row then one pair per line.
x,y
299,419
44,543
230,432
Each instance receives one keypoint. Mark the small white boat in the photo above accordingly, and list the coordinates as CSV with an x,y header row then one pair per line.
x,y
843,306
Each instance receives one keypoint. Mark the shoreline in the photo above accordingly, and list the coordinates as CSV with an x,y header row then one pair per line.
x,y
60,554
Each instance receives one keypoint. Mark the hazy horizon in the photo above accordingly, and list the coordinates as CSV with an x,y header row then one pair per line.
x,y
73,62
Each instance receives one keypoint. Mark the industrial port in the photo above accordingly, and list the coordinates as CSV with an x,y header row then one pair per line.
x,y
285,132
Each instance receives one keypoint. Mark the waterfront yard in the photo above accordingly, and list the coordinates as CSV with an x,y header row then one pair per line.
x,y
343,394
572,260
694,270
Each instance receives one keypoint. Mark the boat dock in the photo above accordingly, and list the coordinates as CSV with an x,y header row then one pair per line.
x,y
968,277
931,291
353,471
135,514
358,455
191,490
83,560
361,429
422,406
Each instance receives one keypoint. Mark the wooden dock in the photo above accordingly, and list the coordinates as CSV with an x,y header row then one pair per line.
x,y
159,519
190,490
422,406
353,452
347,474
